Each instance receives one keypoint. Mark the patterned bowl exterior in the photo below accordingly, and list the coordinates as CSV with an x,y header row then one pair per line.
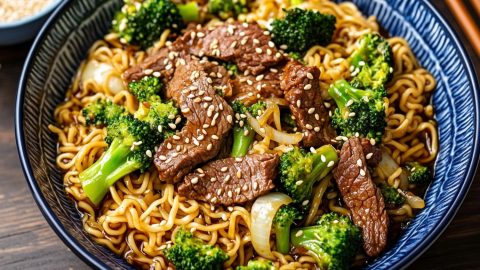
x,y
64,42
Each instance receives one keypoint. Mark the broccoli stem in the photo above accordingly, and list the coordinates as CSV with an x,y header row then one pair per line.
x,y
241,142
319,167
189,12
341,91
112,165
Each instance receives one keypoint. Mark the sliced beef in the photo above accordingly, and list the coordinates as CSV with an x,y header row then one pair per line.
x,y
209,119
302,91
231,180
250,88
373,154
362,197
245,44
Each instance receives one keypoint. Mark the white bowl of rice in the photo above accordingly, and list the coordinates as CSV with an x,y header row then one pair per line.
x,y
20,20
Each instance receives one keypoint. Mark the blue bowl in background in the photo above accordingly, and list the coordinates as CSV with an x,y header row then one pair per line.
x,y
26,28
66,37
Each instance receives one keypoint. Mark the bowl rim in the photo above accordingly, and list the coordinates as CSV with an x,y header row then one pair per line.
x,y
93,261
33,17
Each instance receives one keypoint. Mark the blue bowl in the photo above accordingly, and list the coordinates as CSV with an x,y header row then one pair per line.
x,y
25,29
64,42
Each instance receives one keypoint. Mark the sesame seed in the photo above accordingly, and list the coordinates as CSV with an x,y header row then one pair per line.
x,y
156,74
207,98
311,110
148,153
310,76
256,41
160,128
169,146
351,114
362,172
350,102
323,158
185,110
307,87
172,125
330,164
304,203
200,34
213,179
162,157
258,50
227,178
299,233
219,192
313,150
215,137
194,180
298,183
266,33
238,159
359,163
259,77
316,129
246,132
230,193
244,41
239,174
308,126
178,148
201,137
372,141
255,185
174,154
369,156
169,66
271,44
229,119
197,100
187,140
299,103
262,130
283,47
317,116
176,137
148,71
224,169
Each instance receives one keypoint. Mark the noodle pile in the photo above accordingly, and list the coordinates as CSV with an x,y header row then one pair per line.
x,y
140,214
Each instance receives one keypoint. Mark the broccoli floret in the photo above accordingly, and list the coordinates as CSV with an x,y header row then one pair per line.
x,y
141,23
333,241
101,112
359,112
301,29
392,197
227,8
372,64
243,134
159,115
286,118
231,67
131,143
285,216
191,253
299,171
417,173
258,265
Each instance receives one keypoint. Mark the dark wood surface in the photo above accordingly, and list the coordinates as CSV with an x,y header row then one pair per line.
x,y
27,241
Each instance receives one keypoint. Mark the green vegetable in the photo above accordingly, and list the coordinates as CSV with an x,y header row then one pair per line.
x,y
190,12
227,8
333,242
243,134
159,115
372,62
284,218
141,23
131,144
297,56
301,29
417,173
299,171
191,253
258,265
359,112
286,118
391,195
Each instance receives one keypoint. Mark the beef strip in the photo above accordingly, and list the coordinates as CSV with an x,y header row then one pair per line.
x,y
362,197
209,119
249,88
302,91
373,154
247,45
231,180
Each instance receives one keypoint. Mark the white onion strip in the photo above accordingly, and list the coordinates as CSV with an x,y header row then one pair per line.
x,y
278,136
262,214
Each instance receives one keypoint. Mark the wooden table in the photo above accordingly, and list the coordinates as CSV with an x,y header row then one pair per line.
x,y
27,242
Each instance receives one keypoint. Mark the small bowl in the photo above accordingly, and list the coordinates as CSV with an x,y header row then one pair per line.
x,y
26,28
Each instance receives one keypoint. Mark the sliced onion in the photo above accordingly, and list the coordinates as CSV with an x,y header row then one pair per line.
x,y
414,201
262,214
278,136
100,73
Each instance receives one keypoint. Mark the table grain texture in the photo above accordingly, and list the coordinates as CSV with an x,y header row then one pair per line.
x,y
28,242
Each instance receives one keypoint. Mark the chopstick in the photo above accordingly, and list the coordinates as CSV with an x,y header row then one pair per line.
x,y
466,22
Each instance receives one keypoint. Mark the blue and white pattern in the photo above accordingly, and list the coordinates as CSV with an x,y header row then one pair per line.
x,y
72,29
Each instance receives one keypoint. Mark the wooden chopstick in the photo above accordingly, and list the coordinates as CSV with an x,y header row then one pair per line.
x,y
476,6
466,22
